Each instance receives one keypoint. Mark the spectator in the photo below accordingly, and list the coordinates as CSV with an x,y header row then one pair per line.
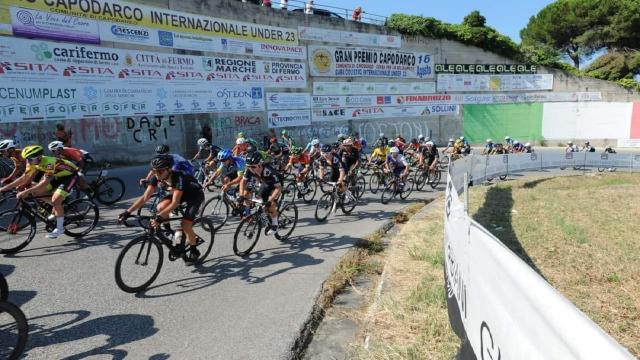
x,y
62,135
357,14
284,4
207,134
266,3
308,7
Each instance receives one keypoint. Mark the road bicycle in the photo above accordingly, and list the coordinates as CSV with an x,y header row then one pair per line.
x,y
140,261
396,187
305,189
378,178
423,177
107,190
331,200
14,329
357,184
202,175
18,225
249,230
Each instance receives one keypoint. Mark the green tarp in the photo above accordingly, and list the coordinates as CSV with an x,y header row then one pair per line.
x,y
519,121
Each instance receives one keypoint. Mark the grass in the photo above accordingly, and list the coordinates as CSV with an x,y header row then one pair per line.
x,y
410,320
581,234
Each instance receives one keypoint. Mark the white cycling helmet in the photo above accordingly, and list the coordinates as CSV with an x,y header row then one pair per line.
x,y
381,135
55,145
203,142
450,140
461,137
429,143
421,137
569,142
527,145
489,140
507,137
394,150
7,144
315,142
240,141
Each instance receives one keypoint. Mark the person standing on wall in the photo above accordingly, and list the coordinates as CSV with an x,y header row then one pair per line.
x,y
308,7
62,135
357,14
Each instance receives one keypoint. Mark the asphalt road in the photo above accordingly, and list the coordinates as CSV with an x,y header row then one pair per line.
x,y
227,308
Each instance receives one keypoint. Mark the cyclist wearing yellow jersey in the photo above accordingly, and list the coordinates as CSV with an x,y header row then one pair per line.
x,y
8,149
59,178
379,154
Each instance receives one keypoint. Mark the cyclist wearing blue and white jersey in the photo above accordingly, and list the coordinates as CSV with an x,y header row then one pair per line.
x,y
231,169
313,149
397,164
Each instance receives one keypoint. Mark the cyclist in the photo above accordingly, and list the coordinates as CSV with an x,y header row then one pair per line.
x,y
527,148
8,149
231,169
313,149
508,141
302,162
338,167
571,147
337,146
76,156
382,139
400,143
587,147
414,145
517,147
429,155
488,147
184,189
270,187
180,164
350,157
379,154
450,147
205,148
241,147
499,150
421,139
286,139
397,164
609,150
58,176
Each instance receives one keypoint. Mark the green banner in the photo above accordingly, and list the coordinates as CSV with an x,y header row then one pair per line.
x,y
522,122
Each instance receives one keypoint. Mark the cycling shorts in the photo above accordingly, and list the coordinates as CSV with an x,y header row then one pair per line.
x,y
265,191
62,185
192,205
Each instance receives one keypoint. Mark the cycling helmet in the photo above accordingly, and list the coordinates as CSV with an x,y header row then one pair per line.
x,y
240,134
569,142
224,154
55,145
203,142
326,148
162,149
450,140
341,137
507,138
295,151
461,137
315,142
240,141
381,135
489,141
429,143
347,142
162,162
284,132
420,137
254,159
7,144
32,151
394,150
527,145
251,149
391,143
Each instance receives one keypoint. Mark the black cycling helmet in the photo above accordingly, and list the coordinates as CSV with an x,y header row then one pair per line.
x,y
162,149
251,149
326,148
254,158
162,162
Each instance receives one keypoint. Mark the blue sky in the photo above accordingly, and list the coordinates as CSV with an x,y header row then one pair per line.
x,y
505,16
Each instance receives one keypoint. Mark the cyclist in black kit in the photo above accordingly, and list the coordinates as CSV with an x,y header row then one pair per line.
x,y
270,186
183,189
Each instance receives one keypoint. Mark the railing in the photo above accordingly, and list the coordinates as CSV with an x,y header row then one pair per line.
x,y
337,12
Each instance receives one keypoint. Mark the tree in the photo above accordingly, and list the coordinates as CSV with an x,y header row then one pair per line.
x,y
474,19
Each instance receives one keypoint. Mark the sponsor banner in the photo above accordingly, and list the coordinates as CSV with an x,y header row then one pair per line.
x,y
368,62
67,100
284,101
486,69
381,112
372,88
37,24
33,61
287,118
624,143
379,100
527,97
348,37
122,12
452,82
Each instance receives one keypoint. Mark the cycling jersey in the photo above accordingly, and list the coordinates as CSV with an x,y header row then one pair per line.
x,y
488,148
192,193
269,180
430,154
235,169
72,154
266,157
212,149
302,159
398,163
380,153
51,166
349,158
180,164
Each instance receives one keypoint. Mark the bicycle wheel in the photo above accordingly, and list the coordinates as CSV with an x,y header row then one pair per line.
x,y
289,194
110,190
17,229
420,180
312,189
287,221
374,183
503,177
348,203
205,233
388,193
435,179
407,189
4,289
216,210
144,257
80,217
14,331
360,187
247,235
324,206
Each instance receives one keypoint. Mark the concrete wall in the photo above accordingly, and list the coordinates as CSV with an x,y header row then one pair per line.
x,y
132,139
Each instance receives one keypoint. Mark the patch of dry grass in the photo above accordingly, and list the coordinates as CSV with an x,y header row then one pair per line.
x,y
411,321
581,234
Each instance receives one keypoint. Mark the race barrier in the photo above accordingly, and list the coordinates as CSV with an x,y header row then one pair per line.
x,y
498,305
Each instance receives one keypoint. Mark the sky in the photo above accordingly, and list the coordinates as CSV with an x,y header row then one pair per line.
x,y
502,15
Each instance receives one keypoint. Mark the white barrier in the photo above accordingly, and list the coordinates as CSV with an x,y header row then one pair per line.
x,y
497,304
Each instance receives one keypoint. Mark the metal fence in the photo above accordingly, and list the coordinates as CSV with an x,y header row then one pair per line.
x,y
327,10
